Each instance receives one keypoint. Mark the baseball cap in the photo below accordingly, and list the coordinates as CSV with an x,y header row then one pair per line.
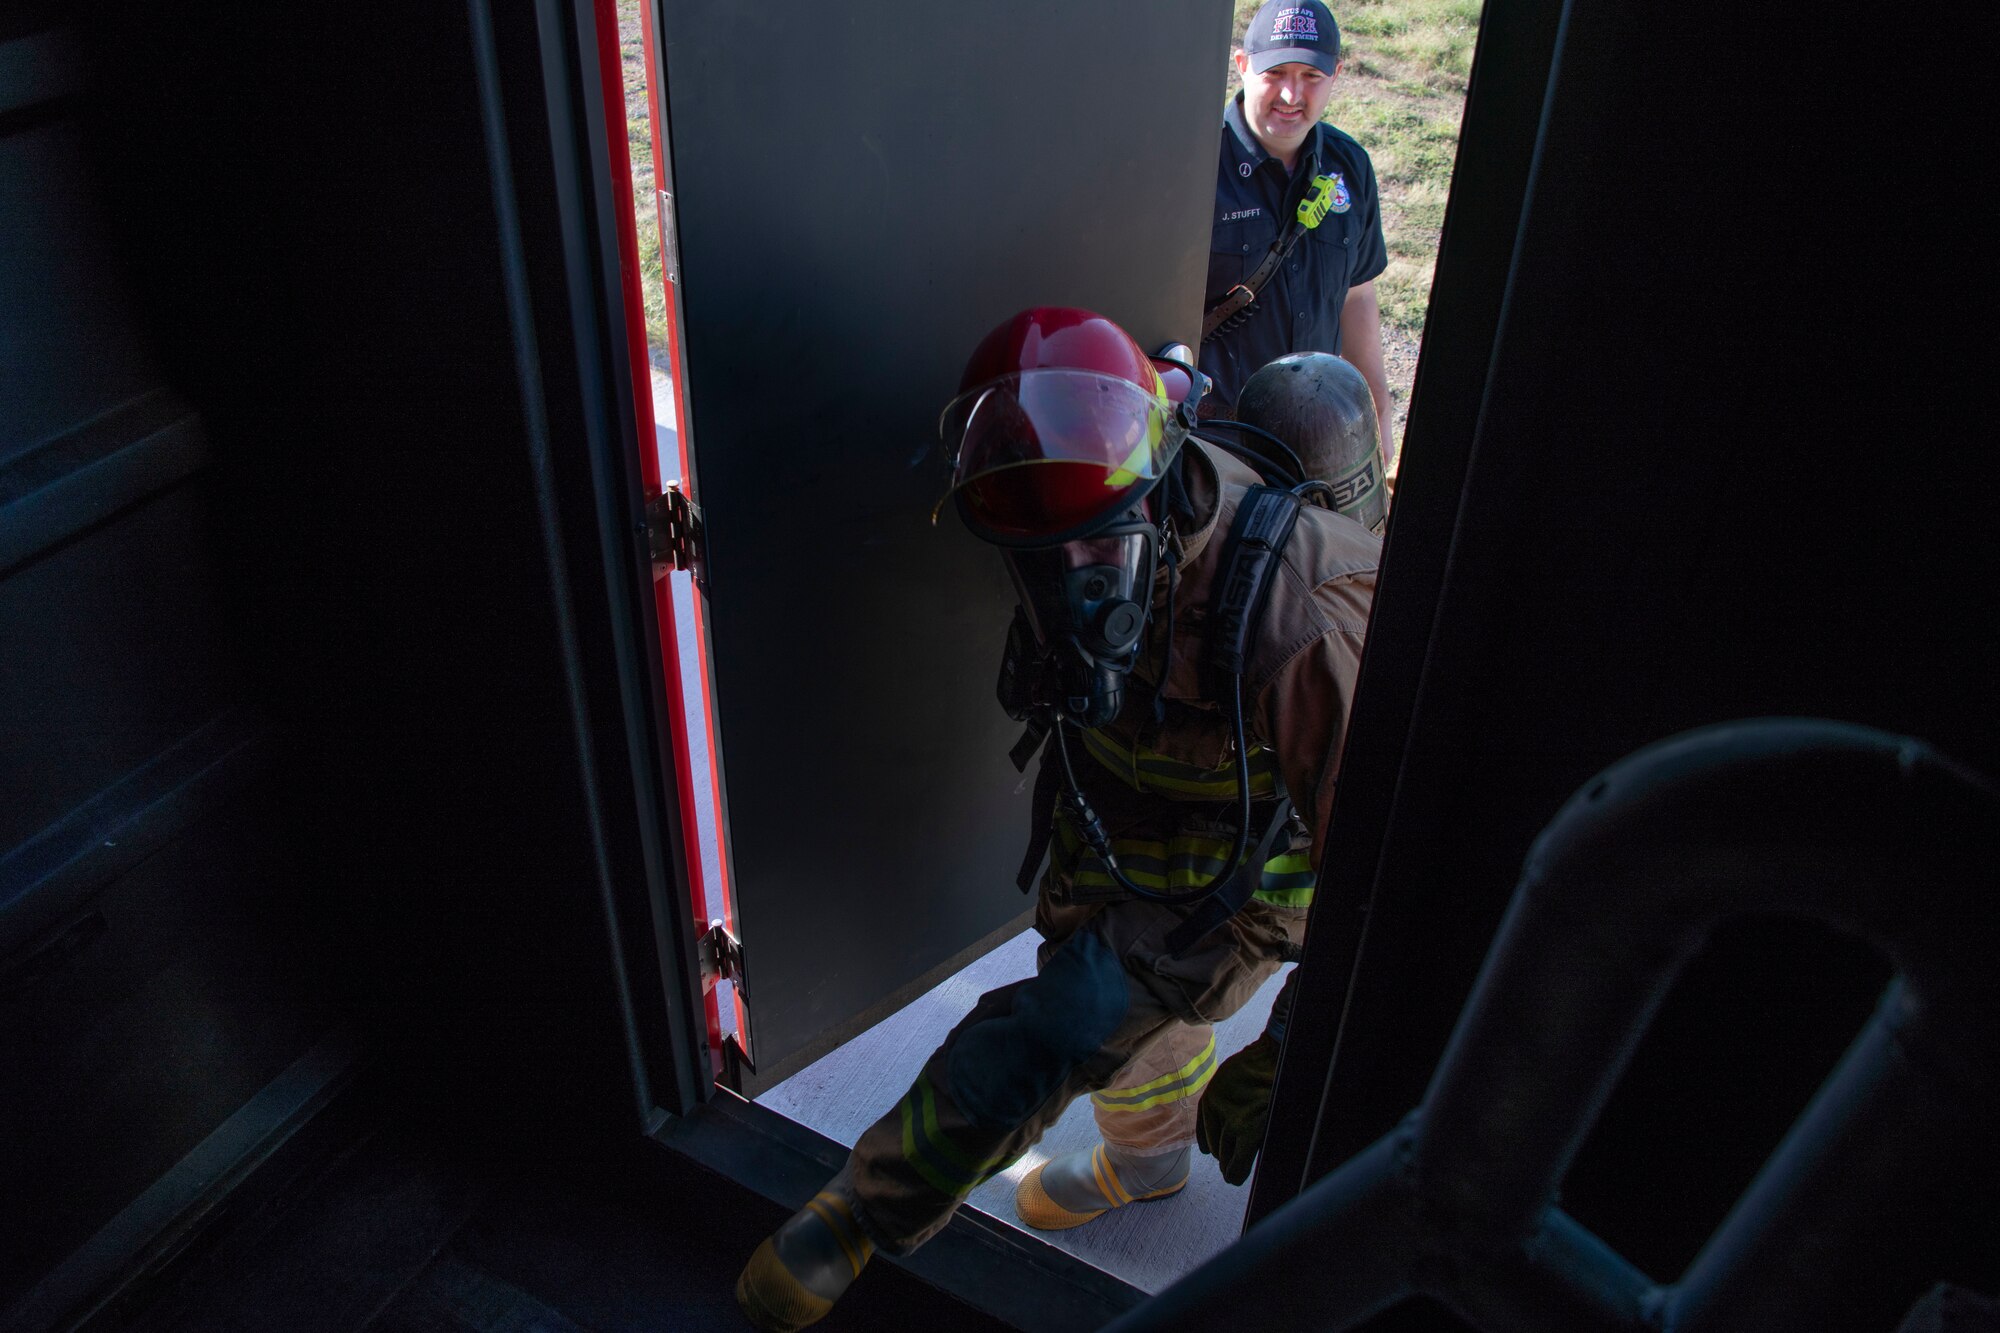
x,y
1285,31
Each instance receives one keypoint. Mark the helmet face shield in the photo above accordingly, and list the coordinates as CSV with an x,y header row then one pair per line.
x,y
1044,456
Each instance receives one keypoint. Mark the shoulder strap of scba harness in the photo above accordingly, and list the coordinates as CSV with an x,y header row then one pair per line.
x,y
1251,554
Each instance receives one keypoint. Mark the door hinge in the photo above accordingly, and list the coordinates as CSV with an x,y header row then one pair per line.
x,y
722,960
670,262
673,531
721,957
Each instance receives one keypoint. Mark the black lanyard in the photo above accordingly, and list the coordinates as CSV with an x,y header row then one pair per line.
x,y
1237,300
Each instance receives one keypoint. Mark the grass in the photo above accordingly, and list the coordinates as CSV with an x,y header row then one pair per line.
x,y
1401,93
639,136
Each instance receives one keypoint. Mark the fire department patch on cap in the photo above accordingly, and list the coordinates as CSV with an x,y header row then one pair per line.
x,y
1296,23
1284,31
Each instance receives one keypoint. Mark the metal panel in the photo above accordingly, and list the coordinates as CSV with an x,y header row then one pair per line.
x,y
119,656
1704,486
68,348
151,975
177,993
845,239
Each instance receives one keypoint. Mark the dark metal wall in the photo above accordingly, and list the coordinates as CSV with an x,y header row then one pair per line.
x,y
862,194
147,990
325,713
394,309
1721,461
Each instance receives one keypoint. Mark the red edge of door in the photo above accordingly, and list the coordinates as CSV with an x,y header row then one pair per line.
x,y
718,901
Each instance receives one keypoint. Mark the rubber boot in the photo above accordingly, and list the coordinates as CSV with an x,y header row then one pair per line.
x,y
1079,1186
802,1268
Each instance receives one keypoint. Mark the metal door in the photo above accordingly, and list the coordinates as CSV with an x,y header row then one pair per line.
x,y
858,195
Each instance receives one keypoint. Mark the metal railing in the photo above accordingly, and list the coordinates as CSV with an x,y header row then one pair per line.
x,y
1875,834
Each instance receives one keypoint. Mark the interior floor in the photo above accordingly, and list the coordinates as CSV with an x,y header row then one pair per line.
x,y
1148,1245
409,1231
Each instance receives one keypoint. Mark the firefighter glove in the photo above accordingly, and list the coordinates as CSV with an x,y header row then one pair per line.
x,y
1236,1106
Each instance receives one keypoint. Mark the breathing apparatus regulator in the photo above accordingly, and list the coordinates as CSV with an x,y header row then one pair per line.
x,y
1064,442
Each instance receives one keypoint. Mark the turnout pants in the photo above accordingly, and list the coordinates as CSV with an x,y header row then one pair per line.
x,y
1108,1013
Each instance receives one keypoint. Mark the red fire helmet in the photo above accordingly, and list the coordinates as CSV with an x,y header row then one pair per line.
x,y
1061,425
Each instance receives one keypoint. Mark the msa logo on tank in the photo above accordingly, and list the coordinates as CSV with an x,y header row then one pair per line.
x,y
1349,490
1297,23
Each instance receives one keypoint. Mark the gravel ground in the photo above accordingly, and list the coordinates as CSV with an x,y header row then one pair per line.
x,y
1399,361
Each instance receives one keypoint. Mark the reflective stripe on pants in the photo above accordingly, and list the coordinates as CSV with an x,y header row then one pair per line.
x,y
1150,1107
912,1168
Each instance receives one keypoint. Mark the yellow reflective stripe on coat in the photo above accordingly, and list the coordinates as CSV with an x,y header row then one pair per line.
x,y
1156,774
1183,864
1187,1081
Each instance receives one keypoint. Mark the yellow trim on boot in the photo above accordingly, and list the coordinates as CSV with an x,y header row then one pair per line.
x,y
1039,1211
1108,1183
819,1210
1034,1206
772,1299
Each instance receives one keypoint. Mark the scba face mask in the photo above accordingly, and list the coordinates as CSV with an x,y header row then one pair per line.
x,y
1084,606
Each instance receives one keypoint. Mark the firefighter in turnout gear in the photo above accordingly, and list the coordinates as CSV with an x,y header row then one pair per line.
x,y
1188,746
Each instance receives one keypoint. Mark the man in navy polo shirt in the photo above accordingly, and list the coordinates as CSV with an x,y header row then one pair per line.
x,y
1295,202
